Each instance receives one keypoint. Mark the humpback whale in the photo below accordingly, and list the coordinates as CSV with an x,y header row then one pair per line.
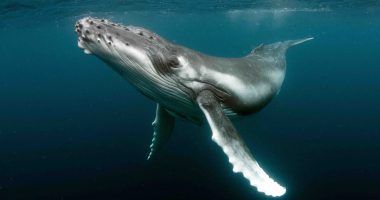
x,y
194,86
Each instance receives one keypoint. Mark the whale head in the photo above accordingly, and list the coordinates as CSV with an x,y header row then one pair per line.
x,y
139,55
114,43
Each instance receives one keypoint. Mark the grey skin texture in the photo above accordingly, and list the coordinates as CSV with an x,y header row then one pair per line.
x,y
194,86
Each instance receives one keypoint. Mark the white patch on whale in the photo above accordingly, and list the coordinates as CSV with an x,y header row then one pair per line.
x,y
243,162
246,92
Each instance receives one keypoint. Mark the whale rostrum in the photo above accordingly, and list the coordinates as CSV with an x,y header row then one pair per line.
x,y
194,86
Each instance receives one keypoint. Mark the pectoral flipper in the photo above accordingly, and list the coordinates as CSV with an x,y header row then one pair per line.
x,y
162,126
226,136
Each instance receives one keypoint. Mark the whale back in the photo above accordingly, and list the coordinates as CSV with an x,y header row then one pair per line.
x,y
244,85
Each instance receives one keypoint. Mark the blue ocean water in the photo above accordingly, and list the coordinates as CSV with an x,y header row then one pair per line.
x,y
71,128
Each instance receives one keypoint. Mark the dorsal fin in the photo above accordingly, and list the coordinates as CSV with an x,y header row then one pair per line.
x,y
279,47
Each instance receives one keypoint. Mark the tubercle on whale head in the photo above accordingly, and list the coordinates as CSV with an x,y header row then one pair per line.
x,y
102,36
92,30
142,57
110,41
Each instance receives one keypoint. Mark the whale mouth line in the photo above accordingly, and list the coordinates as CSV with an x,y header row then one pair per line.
x,y
82,38
89,31
82,45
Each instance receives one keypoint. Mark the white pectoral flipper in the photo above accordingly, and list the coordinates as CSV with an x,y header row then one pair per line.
x,y
162,125
226,136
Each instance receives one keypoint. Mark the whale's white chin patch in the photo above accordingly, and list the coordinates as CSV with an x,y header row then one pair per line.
x,y
86,51
82,46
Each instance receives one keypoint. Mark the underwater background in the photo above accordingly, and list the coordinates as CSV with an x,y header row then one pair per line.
x,y
71,128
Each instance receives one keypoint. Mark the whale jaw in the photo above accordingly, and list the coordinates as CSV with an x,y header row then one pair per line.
x,y
138,55
108,41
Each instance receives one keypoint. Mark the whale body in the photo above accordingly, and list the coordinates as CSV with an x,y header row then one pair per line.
x,y
191,85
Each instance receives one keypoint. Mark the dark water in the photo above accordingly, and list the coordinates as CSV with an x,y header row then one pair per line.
x,y
71,128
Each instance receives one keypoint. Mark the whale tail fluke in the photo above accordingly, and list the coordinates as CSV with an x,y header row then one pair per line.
x,y
278,48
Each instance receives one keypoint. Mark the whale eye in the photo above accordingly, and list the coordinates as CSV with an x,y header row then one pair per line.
x,y
173,63
164,65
